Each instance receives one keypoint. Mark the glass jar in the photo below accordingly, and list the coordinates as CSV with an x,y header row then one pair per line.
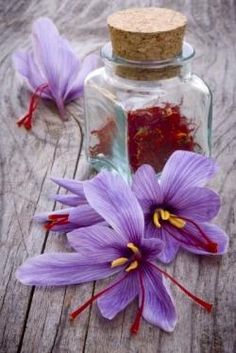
x,y
140,112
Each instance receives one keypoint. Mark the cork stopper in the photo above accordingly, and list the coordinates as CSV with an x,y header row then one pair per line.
x,y
146,34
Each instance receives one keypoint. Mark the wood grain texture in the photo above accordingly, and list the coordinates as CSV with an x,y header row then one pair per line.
x,y
36,320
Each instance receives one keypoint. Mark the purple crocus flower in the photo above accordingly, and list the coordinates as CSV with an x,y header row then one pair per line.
x,y
51,69
120,250
178,208
79,214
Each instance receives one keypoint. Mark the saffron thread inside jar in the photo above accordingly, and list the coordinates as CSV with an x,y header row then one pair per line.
x,y
154,133
105,136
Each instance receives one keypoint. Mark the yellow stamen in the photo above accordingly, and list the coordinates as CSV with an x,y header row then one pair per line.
x,y
177,222
134,248
165,215
132,266
156,219
118,262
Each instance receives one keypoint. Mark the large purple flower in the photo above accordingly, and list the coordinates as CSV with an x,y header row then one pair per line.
x,y
102,251
51,68
178,208
79,214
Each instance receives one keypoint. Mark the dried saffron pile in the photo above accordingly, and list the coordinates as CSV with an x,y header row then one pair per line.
x,y
155,133
105,136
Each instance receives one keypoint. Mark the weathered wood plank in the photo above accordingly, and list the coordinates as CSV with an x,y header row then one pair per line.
x,y
37,320
26,186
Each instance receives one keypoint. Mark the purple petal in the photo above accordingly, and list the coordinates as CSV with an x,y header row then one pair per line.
x,y
98,243
53,62
84,216
200,204
183,170
64,228
113,199
55,58
151,230
43,217
146,187
58,269
214,233
170,245
159,308
69,200
46,44
25,64
74,186
75,87
117,298
151,248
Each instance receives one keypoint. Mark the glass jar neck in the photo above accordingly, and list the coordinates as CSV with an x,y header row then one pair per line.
x,y
179,66
148,74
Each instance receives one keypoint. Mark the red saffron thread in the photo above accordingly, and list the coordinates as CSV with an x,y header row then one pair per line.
x,y
105,136
56,220
90,301
154,133
199,301
210,246
26,120
182,240
135,327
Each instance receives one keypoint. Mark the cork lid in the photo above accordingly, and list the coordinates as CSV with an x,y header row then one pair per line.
x,y
147,33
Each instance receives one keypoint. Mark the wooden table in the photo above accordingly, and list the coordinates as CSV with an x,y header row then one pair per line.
x,y
36,320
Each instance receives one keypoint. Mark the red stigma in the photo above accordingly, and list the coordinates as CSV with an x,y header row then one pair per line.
x,y
78,311
56,220
136,325
26,120
90,301
203,242
206,243
207,306
212,247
